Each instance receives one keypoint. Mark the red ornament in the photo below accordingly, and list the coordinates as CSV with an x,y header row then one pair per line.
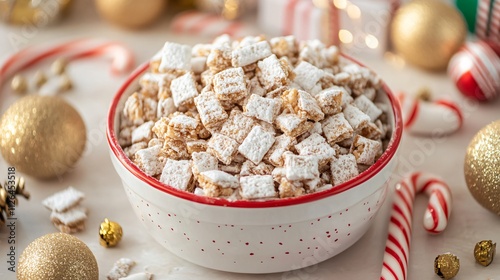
x,y
476,71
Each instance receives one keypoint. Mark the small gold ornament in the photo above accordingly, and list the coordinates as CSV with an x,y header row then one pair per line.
x,y
228,9
66,83
482,167
59,66
110,233
427,33
446,266
484,252
131,13
8,197
19,84
42,136
40,79
57,256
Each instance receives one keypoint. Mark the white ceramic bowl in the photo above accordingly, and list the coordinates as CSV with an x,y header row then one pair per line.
x,y
251,236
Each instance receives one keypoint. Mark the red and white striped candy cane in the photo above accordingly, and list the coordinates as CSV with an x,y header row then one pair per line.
x,y
122,57
395,266
482,16
495,23
427,118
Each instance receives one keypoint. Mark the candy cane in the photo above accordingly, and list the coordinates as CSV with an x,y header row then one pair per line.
x,y
122,57
428,118
436,216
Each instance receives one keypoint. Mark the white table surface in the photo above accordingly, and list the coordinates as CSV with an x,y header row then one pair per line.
x,y
94,88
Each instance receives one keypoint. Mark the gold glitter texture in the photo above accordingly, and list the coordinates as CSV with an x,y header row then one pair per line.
x,y
482,167
110,233
484,252
42,136
57,256
427,33
446,266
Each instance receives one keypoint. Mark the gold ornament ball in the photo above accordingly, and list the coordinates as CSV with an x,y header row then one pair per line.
x,y
131,14
446,266
484,252
110,233
427,33
42,136
57,256
482,167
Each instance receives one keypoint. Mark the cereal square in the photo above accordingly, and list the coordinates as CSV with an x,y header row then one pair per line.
x,y
196,146
367,106
303,104
149,160
175,149
301,167
290,189
330,100
165,107
315,145
210,109
177,174
143,132
343,169
230,84
271,73
251,54
175,57
249,168
237,126
262,108
336,128
257,187
282,144
256,144
293,125
182,126
217,183
365,150
284,46
307,75
223,147
202,162
356,118
63,200
184,90
220,57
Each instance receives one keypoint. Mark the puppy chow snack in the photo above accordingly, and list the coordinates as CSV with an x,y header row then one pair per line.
x,y
254,119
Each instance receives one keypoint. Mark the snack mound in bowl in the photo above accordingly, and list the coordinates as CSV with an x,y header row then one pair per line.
x,y
294,139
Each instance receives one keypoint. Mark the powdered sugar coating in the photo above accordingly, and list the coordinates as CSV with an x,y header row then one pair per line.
x,y
301,167
336,128
177,174
356,118
149,160
271,73
237,126
143,132
183,89
220,178
256,144
251,53
257,187
230,84
175,57
307,75
262,108
223,147
343,169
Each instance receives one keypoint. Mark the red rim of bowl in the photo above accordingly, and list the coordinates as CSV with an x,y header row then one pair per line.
x,y
362,177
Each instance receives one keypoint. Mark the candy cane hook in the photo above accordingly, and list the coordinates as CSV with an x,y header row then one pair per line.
x,y
122,57
436,216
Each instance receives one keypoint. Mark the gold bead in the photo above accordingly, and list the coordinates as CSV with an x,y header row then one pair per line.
x,y
110,233
484,252
59,66
40,79
446,266
424,94
19,84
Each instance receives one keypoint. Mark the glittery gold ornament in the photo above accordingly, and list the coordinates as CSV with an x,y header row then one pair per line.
x,y
57,256
484,252
427,33
482,167
59,66
110,233
42,136
446,266
131,13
